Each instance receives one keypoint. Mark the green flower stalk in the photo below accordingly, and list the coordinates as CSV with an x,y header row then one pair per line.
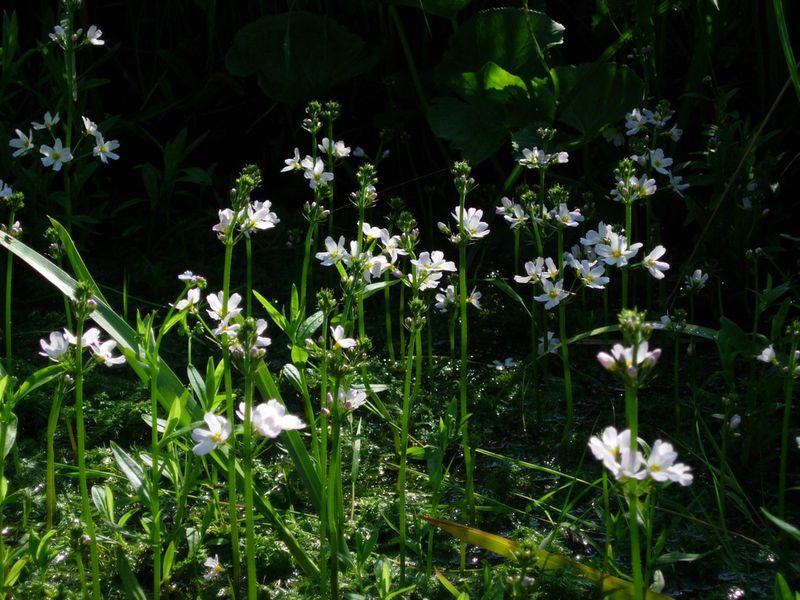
x,y
15,201
792,372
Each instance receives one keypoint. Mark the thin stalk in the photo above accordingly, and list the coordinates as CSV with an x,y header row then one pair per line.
x,y
787,414
304,278
322,461
401,475
629,238
3,433
50,469
462,381
562,327
335,511
516,250
230,413
248,296
247,471
676,381
388,317
632,411
70,76
155,508
81,434
7,313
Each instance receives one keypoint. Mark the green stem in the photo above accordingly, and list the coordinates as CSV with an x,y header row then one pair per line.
x,y
81,434
562,327
7,314
462,381
401,475
248,297
304,279
787,414
50,469
629,238
322,461
388,317
155,508
247,469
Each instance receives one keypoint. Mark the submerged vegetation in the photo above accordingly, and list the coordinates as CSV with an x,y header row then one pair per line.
x,y
536,337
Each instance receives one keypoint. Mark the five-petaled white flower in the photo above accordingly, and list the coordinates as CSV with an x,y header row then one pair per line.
x,y
593,275
270,419
105,149
617,252
293,162
23,143
334,252
553,293
335,149
217,311
567,217
655,266
49,122
315,172
103,353
219,430
660,162
474,228
89,126
258,217
630,359
56,155
534,270
190,302
339,341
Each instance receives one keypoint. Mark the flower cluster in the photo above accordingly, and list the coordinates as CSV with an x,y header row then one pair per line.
x,y
539,159
469,225
57,155
56,348
268,419
252,217
313,168
630,362
617,455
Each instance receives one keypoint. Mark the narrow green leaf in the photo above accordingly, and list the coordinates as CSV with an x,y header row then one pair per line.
x,y
783,525
11,434
131,586
448,585
504,287
39,378
273,312
169,557
133,471
15,571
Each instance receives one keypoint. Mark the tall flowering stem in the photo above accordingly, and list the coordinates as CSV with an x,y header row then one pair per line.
x,y
794,332
15,202
464,183
562,326
84,305
247,472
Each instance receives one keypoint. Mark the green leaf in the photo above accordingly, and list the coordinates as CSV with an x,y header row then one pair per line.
x,y
15,571
131,586
441,8
503,286
783,525
103,500
309,327
298,56
514,39
291,373
11,434
274,314
448,585
75,260
39,378
592,96
133,471
169,557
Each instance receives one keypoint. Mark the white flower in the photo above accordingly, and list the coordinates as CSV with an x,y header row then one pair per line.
x,y
219,430
5,190
474,228
226,219
334,251
339,340
49,122
370,233
374,266
217,312
660,162
735,421
23,143
676,184
213,568
103,353
617,252
503,365
767,355
57,35
89,338
474,299
614,450
189,277
352,398
293,163
634,121
270,419
190,302
315,172
567,217
534,159
391,246
335,149
433,262
697,280
93,36
55,156
630,358
593,275
89,126
550,270
57,347
552,343
655,266
105,149
534,270
258,217
228,329
553,293
600,236
675,133
446,300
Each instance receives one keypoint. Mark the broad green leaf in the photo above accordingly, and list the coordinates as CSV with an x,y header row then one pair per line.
x,y
514,39
591,96
15,571
100,498
309,327
298,56
75,260
478,128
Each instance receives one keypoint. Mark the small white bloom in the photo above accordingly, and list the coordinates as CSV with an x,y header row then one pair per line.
x,y
552,343
315,172
653,265
474,299
767,355
270,419
553,293
446,300
334,251
339,340
190,302
57,348
49,122
592,275
219,430
258,217
105,149
567,217
89,126
503,365
23,143
293,163
534,270
213,568
93,36
660,162
697,280
89,338
474,228
103,353
335,149
617,252
226,219
351,399
55,156
216,310
5,190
